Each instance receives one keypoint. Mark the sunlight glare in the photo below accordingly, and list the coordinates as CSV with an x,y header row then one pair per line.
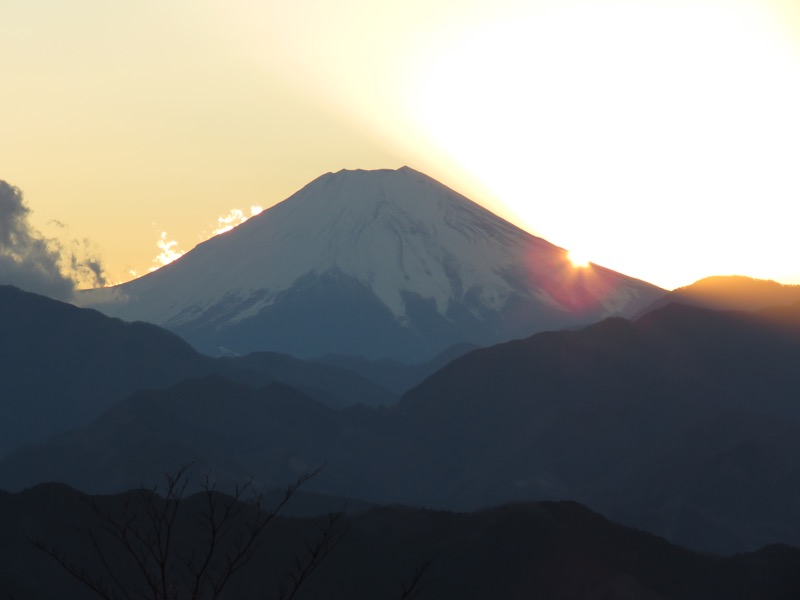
x,y
577,259
654,120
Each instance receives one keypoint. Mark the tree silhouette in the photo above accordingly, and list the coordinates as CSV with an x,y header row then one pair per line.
x,y
150,547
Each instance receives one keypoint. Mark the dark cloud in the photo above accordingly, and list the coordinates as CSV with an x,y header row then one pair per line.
x,y
34,263
86,268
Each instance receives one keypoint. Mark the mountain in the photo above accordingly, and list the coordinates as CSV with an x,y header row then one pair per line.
x,y
532,550
333,385
61,366
233,431
379,264
731,292
684,423
393,375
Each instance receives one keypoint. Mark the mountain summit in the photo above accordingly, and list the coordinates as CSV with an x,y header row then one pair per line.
x,y
386,263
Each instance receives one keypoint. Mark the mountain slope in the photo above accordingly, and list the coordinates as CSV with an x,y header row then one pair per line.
x,y
685,423
273,433
731,292
61,366
371,263
333,385
392,375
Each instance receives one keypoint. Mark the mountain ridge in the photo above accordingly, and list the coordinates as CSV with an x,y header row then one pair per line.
x,y
730,292
525,550
61,366
382,264
684,422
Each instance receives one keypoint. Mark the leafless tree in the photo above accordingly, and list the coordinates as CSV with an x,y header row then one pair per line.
x,y
327,539
412,586
149,532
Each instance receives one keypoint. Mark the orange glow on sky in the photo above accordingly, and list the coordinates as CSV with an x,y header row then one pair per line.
x,y
658,137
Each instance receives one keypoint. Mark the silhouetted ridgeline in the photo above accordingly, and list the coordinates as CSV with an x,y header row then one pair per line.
x,y
730,292
532,550
684,423
61,366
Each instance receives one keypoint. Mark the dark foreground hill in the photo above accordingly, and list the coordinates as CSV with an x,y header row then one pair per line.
x,y
533,550
685,423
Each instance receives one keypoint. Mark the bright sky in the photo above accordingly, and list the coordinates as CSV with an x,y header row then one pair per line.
x,y
657,138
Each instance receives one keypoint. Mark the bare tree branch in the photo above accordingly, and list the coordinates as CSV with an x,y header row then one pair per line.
x,y
329,537
77,572
145,527
407,590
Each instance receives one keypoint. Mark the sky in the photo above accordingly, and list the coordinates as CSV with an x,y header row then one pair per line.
x,y
657,138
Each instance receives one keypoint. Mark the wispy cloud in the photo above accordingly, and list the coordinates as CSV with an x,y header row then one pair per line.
x,y
35,263
170,252
235,217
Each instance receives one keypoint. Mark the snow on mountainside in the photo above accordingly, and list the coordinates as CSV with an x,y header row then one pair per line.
x,y
360,254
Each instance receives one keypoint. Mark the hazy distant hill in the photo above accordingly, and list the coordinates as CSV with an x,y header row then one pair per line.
x,y
60,366
275,433
685,422
333,385
544,550
731,292
378,264
393,375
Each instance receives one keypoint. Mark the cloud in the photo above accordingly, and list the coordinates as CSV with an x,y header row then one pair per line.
x,y
90,269
235,217
170,251
38,264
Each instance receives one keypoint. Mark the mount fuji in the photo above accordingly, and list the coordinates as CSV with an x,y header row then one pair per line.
x,y
380,264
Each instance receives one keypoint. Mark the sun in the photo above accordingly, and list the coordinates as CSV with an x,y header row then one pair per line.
x,y
588,119
577,259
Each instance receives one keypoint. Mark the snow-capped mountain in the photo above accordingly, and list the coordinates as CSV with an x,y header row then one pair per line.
x,y
386,263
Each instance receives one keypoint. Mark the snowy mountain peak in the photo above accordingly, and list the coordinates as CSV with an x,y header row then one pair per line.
x,y
393,231
395,239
